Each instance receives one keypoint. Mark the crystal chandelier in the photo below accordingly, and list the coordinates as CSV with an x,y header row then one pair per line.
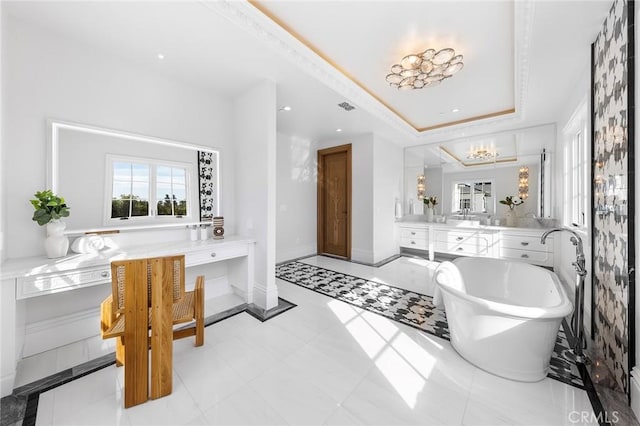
x,y
482,154
424,69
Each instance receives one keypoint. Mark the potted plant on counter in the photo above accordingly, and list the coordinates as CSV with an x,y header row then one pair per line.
x,y
511,202
49,211
430,204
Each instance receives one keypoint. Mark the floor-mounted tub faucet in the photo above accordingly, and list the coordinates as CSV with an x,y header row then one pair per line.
x,y
579,265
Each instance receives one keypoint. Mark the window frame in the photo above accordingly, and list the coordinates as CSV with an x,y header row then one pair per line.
x,y
577,167
471,183
191,192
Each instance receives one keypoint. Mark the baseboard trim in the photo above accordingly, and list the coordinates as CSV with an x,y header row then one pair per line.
x,y
283,255
6,384
59,331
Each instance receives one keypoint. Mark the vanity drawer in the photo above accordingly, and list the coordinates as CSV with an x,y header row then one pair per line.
x,y
61,281
214,254
416,243
413,233
525,242
529,256
479,247
460,237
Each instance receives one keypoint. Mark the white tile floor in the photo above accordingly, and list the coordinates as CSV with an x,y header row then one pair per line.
x,y
323,362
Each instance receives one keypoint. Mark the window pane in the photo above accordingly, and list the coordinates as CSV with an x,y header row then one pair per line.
x,y
180,208
139,208
121,171
140,191
179,192
164,197
163,174
163,191
179,176
140,172
121,190
119,208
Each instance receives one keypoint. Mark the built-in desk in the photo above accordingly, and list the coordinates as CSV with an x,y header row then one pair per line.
x,y
37,277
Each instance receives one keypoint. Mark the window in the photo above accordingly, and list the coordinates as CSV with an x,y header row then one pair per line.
x,y
148,189
576,169
475,196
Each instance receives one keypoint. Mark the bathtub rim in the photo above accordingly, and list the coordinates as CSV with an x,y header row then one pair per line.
x,y
562,309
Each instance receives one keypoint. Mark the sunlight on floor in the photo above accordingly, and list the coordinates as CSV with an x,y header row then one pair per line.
x,y
404,363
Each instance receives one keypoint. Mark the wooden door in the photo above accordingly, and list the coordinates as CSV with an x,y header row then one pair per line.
x,y
334,201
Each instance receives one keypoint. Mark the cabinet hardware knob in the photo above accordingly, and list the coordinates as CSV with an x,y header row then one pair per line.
x,y
459,238
413,242
459,249
104,274
524,243
213,255
413,233
525,256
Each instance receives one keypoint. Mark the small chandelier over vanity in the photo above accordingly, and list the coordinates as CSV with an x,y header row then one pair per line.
x,y
482,154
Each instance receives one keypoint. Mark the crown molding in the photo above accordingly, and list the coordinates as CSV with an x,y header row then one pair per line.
x,y
249,18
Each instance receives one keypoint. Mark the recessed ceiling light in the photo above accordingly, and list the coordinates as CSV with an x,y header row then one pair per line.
x,y
160,56
455,110
285,108
338,130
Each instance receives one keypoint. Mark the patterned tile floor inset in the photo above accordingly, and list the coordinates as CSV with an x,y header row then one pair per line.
x,y
408,307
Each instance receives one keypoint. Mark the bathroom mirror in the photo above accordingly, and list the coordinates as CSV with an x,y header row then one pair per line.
x,y
118,180
506,162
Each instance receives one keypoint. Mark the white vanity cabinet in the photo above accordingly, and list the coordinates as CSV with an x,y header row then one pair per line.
x,y
521,244
524,245
415,236
463,242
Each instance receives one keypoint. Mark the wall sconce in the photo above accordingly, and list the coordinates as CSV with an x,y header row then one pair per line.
x,y
421,187
523,183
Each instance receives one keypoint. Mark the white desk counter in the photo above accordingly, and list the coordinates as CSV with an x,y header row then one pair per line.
x,y
38,279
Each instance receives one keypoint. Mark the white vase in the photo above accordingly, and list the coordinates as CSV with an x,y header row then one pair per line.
x,y
512,219
429,213
56,244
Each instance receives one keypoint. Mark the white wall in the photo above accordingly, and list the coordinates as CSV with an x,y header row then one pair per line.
x,y
45,75
297,177
387,187
48,76
3,216
254,125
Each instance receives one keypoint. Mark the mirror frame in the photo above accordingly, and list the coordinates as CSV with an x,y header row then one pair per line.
x,y
54,126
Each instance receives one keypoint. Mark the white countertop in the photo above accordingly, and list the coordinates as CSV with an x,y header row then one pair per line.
x,y
421,220
26,266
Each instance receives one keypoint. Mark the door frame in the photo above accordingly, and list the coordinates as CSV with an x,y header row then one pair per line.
x,y
322,153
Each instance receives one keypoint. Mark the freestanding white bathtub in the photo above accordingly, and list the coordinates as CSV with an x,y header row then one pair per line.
x,y
503,316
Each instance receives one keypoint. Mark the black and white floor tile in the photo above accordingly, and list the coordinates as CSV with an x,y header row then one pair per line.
x,y
408,307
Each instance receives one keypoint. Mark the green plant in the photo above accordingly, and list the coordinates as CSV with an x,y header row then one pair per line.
x,y
430,201
512,201
48,207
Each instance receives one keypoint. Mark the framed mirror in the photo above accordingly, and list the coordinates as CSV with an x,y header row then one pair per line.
x,y
117,180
